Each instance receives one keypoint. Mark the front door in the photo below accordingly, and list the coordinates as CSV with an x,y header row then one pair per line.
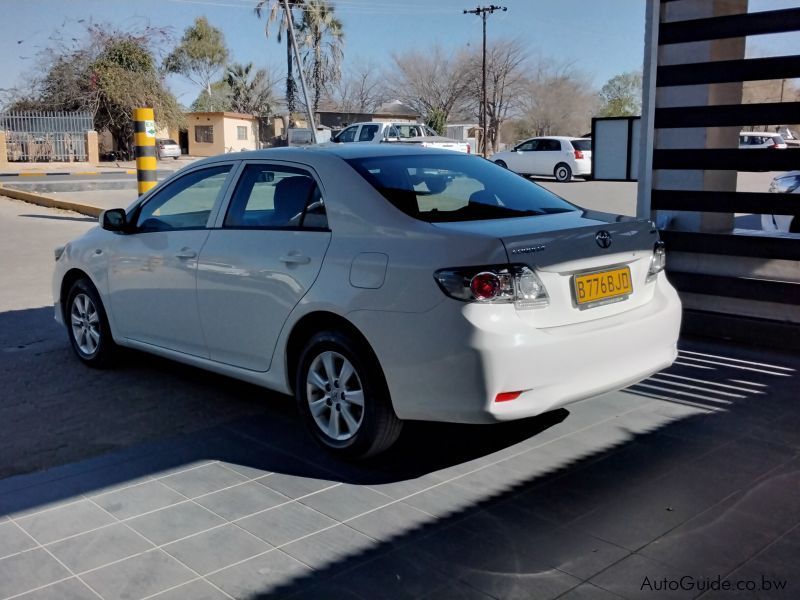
x,y
152,269
521,160
257,266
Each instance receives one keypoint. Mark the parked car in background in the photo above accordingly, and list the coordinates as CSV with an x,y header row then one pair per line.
x,y
750,140
553,156
407,133
787,183
168,149
377,283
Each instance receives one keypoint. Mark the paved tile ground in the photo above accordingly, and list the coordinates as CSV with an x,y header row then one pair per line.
x,y
692,476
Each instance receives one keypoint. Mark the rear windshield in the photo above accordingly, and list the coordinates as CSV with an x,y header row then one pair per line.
x,y
168,142
778,139
441,187
582,145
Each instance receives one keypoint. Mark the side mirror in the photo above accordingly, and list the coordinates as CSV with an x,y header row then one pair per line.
x,y
519,151
113,219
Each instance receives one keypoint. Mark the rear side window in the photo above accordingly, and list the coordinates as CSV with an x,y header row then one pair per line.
x,y
441,188
549,145
582,145
367,133
270,197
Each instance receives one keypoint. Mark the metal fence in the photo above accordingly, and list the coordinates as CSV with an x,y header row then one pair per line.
x,y
47,136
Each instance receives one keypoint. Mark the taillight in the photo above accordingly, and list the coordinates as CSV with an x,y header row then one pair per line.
x,y
505,284
658,261
469,149
578,154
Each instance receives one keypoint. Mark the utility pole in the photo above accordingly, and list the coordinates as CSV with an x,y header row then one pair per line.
x,y
309,109
483,12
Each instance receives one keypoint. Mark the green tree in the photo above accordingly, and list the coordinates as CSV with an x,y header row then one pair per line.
x,y
200,56
276,14
437,120
108,72
251,91
622,95
218,100
322,38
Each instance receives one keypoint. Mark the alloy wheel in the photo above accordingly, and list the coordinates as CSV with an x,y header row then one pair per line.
x,y
335,396
85,322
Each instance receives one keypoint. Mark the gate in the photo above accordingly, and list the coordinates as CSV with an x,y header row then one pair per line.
x,y
47,136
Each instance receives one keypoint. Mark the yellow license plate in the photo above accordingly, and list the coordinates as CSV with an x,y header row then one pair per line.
x,y
595,287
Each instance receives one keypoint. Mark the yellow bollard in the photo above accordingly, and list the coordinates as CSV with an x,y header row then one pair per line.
x,y
144,137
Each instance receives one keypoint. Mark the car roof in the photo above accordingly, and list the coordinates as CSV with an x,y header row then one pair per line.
x,y
343,151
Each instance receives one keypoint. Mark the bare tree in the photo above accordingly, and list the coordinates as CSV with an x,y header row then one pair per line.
x,y
558,100
506,81
431,81
360,90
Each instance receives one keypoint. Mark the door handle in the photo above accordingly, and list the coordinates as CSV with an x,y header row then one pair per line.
x,y
295,259
185,253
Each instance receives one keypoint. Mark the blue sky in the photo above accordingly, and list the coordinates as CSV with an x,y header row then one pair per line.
x,y
601,37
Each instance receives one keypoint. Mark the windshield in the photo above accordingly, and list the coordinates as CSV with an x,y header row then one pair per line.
x,y
582,145
440,188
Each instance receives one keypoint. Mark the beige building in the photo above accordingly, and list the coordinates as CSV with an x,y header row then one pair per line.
x,y
212,133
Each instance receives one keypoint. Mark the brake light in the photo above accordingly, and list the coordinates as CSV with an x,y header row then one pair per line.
x,y
469,149
578,154
485,286
503,284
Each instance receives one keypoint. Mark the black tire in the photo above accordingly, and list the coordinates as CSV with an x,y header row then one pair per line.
x,y
562,172
378,427
501,163
175,157
104,352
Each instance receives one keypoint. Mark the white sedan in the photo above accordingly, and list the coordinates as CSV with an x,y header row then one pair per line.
x,y
554,156
377,284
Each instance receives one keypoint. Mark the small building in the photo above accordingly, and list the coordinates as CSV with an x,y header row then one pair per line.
x,y
212,133
395,112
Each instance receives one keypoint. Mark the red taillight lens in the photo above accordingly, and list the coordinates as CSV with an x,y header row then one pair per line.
x,y
578,154
485,286
506,396
773,145
469,149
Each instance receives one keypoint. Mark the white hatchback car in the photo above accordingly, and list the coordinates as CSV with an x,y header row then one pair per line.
x,y
168,149
559,157
377,284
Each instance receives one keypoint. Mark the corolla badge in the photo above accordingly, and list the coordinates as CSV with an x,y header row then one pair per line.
x,y
603,239
528,249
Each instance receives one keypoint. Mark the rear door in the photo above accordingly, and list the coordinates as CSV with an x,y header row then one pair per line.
x,y
548,154
260,260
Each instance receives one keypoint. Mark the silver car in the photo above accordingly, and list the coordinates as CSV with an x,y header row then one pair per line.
x,y
168,149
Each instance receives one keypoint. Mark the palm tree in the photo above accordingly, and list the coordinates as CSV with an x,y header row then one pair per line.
x,y
277,13
251,91
321,35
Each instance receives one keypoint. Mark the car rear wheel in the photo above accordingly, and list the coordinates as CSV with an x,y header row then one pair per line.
x,y
501,163
562,172
87,325
175,157
342,395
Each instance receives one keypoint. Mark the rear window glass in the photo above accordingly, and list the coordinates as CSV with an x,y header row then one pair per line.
x,y
582,145
441,188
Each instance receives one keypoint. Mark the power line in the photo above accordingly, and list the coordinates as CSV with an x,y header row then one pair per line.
x,y
483,12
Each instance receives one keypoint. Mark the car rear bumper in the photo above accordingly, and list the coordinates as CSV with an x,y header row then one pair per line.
x,y
450,364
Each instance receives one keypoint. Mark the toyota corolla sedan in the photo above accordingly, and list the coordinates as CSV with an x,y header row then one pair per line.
x,y
376,284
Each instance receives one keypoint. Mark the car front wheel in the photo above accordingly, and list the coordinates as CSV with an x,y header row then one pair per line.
x,y
343,398
87,325
562,172
501,164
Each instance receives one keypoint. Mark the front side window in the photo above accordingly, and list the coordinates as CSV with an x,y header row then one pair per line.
x,y
269,197
348,135
185,203
528,146
241,132
441,188
204,134
368,132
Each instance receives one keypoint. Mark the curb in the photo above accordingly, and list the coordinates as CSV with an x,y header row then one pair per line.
x,y
60,173
50,202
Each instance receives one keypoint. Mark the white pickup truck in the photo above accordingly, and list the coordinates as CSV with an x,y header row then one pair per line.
x,y
402,133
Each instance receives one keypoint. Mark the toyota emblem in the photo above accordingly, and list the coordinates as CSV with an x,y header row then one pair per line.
x,y
603,239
